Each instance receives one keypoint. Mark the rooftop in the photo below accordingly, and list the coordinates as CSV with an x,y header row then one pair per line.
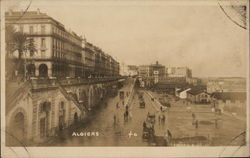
x,y
197,90
229,95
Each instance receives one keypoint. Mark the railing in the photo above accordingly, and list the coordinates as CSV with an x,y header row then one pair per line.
x,y
51,82
43,83
77,81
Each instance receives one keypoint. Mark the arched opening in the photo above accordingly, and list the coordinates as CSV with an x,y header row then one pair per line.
x,y
43,70
75,117
62,113
18,127
31,70
54,70
90,98
85,98
44,119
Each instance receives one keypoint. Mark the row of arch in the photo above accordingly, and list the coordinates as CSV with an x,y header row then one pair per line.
x,y
42,69
58,70
92,96
18,125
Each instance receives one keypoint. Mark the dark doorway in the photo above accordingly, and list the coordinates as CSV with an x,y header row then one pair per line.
x,y
31,70
43,70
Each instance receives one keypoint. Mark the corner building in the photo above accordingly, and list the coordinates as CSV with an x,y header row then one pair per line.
x,y
59,51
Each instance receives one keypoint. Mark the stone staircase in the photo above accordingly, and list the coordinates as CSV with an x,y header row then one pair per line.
x,y
14,92
70,97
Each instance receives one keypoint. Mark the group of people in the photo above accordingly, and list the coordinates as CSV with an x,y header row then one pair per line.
x,y
126,113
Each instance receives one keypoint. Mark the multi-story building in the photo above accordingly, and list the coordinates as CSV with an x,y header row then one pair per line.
x,y
233,84
116,68
144,70
99,62
124,71
132,70
178,72
60,52
152,70
157,70
88,58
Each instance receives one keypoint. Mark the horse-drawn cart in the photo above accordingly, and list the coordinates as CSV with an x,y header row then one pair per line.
x,y
148,133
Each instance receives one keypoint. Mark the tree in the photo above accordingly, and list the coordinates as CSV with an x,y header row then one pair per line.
x,y
19,42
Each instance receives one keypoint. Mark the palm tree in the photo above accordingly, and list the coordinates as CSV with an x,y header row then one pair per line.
x,y
20,42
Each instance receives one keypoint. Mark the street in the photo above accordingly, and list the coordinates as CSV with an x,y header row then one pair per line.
x,y
110,132
107,126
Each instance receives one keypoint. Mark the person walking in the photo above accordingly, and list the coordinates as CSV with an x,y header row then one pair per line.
x,y
144,125
194,117
196,124
114,119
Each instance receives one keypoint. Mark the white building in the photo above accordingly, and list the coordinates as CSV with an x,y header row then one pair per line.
x,y
183,93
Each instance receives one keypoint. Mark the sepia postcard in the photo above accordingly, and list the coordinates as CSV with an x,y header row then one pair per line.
x,y
124,78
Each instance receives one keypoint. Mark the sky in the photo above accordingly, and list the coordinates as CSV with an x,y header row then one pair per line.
x,y
140,32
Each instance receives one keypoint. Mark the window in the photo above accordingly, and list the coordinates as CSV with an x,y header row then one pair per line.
x,y
43,53
31,29
43,29
55,44
43,43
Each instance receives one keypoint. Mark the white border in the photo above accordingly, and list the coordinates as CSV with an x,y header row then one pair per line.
x,y
55,152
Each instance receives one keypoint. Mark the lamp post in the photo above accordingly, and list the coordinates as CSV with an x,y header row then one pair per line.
x,y
25,69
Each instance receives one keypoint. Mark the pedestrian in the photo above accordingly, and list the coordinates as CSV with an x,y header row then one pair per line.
x,y
193,115
126,107
159,120
114,119
168,136
144,125
196,124
216,123
16,73
163,120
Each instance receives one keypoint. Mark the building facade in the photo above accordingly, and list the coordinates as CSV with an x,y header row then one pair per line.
x,y
60,52
233,102
132,70
178,72
153,70
226,85
88,59
198,96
